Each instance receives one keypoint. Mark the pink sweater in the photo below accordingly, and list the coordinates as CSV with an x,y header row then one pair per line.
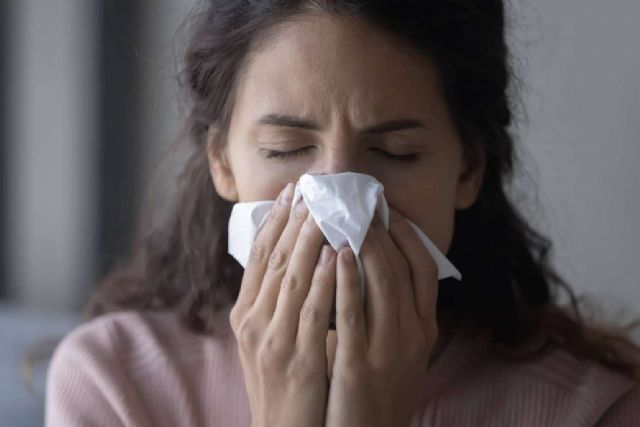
x,y
145,369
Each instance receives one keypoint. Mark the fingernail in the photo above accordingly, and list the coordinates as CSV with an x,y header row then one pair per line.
x,y
325,255
301,206
349,256
286,196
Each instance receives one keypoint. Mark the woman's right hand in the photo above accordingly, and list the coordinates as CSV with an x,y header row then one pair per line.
x,y
281,318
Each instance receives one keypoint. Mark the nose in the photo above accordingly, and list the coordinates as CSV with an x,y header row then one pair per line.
x,y
340,158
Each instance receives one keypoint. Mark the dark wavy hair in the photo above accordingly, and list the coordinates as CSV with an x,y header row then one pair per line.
x,y
509,288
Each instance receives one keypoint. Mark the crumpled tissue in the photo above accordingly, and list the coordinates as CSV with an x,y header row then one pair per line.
x,y
342,205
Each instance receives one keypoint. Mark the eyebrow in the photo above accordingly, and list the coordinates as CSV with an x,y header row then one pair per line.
x,y
284,120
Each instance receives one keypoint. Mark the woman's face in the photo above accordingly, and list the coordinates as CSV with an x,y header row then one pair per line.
x,y
339,95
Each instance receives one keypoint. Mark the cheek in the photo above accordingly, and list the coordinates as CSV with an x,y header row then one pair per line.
x,y
432,211
261,187
258,179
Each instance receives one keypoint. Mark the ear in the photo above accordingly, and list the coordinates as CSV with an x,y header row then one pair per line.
x,y
221,173
471,175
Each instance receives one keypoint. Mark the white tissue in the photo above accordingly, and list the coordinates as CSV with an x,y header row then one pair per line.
x,y
342,205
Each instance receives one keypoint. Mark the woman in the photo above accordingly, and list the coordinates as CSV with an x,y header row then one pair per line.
x,y
414,94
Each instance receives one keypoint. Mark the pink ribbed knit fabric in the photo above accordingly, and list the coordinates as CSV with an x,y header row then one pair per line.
x,y
146,369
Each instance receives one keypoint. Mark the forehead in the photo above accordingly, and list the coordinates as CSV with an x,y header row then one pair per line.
x,y
322,65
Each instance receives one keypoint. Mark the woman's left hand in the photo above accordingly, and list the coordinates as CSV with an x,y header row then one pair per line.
x,y
382,354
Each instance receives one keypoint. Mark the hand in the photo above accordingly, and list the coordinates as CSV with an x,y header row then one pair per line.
x,y
281,319
381,357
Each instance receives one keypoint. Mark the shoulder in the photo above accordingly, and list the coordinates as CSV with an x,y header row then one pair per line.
x,y
92,342
117,367
131,337
85,375
556,388
571,388
625,411
109,343
113,335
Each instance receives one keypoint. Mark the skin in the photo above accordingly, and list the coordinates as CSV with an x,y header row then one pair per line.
x,y
334,73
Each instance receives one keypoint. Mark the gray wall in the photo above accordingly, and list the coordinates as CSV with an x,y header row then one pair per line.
x,y
55,244
580,62
51,139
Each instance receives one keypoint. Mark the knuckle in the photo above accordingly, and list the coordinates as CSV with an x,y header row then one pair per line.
x,y
277,259
290,283
309,314
318,280
258,253
278,214
300,212
379,366
304,236
299,369
247,334
385,286
353,372
352,316
270,356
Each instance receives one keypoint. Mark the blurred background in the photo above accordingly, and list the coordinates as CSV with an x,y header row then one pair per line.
x,y
89,102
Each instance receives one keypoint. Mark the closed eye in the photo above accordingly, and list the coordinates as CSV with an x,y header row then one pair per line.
x,y
411,158
286,154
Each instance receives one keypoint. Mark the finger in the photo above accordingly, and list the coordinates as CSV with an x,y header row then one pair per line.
x,y
424,271
261,249
296,282
314,315
382,310
400,266
277,264
350,322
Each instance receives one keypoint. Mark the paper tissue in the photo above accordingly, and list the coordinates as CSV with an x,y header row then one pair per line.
x,y
342,205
